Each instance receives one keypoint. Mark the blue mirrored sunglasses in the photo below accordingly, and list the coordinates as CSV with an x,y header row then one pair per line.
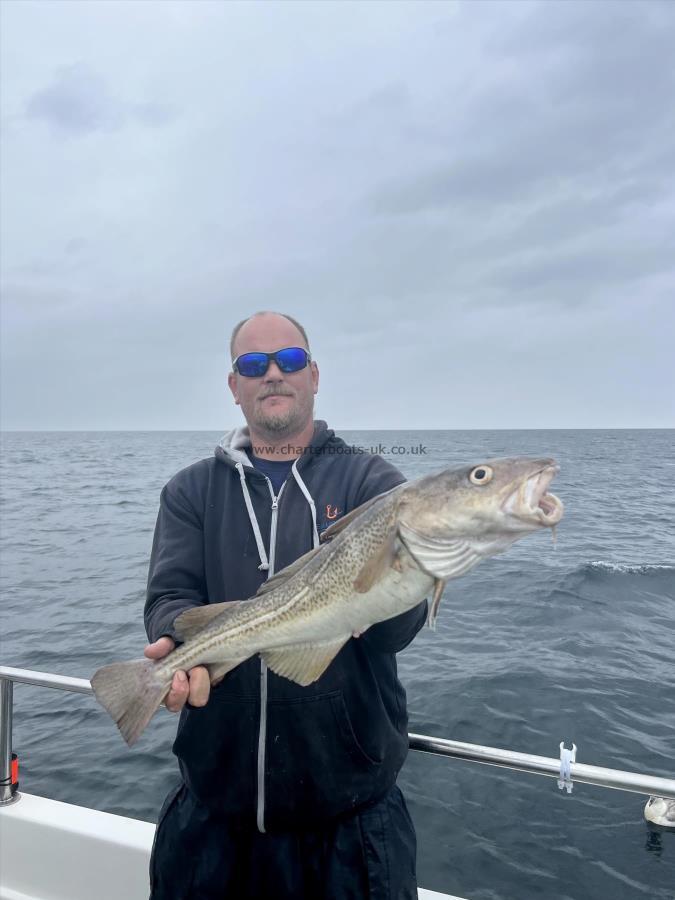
x,y
255,365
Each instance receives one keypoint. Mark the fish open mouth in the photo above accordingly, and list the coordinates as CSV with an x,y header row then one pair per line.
x,y
532,502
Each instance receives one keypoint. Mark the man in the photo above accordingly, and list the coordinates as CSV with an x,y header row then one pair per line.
x,y
287,791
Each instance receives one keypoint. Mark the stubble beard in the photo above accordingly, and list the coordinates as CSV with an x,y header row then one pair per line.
x,y
273,426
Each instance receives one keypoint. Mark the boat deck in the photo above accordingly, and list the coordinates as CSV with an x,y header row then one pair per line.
x,y
57,851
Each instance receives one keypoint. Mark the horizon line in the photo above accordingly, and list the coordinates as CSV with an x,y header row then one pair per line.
x,y
337,429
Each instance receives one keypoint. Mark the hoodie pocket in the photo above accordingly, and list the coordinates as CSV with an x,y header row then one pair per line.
x,y
166,806
316,768
215,747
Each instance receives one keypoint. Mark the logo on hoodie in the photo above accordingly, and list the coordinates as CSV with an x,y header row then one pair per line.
x,y
332,512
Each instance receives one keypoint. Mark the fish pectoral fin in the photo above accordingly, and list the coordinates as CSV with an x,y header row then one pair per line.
x,y
283,575
217,671
440,557
375,567
439,587
304,663
188,623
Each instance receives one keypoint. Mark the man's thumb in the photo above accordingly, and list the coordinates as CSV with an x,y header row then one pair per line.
x,y
160,647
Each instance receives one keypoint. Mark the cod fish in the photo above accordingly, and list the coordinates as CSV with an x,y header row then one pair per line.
x,y
376,562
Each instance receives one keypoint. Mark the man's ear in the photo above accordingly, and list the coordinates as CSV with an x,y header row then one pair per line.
x,y
315,376
232,383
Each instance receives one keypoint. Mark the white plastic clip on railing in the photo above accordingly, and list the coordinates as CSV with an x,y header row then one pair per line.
x,y
567,757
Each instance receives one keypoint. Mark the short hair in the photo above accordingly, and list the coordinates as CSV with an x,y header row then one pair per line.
x,y
266,312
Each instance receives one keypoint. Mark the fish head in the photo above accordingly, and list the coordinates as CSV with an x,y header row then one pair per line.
x,y
479,509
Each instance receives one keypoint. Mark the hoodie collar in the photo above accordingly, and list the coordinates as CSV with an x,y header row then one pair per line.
x,y
233,444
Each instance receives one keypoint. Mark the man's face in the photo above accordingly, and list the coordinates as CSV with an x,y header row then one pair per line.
x,y
277,404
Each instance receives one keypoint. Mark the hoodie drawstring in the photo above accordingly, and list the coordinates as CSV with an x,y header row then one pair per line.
x,y
264,562
308,497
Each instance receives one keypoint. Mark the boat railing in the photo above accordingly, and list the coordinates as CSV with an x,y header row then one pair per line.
x,y
565,769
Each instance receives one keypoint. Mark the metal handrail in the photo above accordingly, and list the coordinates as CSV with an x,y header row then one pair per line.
x,y
492,756
47,679
545,765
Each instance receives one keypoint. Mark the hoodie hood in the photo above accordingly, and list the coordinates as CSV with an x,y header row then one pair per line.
x,y
233,444
231,449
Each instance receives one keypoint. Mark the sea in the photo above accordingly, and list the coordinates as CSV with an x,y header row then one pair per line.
x,y
572,641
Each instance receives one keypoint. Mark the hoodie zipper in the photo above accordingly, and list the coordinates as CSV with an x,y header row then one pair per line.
x,y
262,730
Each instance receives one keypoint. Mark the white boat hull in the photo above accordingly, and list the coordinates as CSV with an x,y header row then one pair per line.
x,y
57,851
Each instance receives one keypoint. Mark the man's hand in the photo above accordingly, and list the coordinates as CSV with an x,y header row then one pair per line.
x,y
194,685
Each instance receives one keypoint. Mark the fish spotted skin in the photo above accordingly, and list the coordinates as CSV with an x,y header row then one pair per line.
x,y
380,561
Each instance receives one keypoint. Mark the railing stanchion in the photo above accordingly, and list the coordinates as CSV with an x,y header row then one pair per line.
x,y
6,697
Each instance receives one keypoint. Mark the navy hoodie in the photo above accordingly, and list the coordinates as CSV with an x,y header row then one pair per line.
x,y
265,751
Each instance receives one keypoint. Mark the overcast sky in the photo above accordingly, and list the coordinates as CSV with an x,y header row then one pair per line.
x,y
471,206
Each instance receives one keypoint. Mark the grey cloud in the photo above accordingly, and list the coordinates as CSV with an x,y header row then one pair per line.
x,y
486,181
577,273
155,115
390,99
595,97
608,29
557,180
444,263
578,145
79,102
75,246
25,298
599,213
62,262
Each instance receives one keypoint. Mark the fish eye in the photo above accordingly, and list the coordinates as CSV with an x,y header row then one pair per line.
x,y
481,475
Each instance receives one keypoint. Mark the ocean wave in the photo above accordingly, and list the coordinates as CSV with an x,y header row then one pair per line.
x,y
629,569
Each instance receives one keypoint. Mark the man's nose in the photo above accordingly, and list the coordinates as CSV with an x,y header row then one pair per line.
x,y
273,372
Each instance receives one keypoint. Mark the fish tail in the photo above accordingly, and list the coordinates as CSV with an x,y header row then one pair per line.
x,y
131,694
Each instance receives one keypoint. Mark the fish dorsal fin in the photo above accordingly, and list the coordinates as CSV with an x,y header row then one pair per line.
x,y
375,567
188,623
349,517
288,572
440,557
304,663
